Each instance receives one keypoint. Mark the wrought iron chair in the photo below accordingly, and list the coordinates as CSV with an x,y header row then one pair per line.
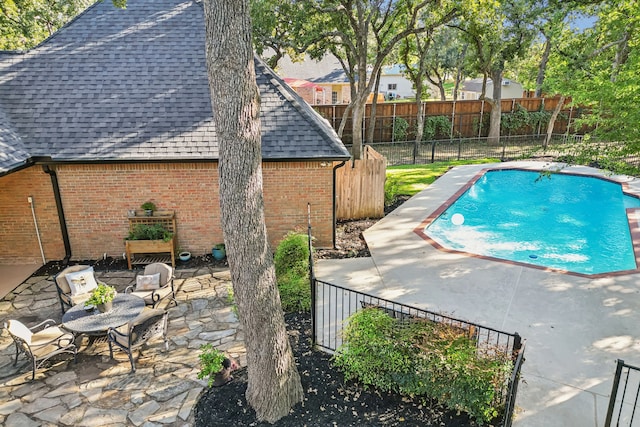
x,y
40,342
151,323
67,298
153,297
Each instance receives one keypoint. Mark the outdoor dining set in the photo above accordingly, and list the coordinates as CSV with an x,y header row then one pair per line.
x,y
133,319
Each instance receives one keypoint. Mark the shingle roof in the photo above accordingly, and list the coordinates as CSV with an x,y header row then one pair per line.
x,y
131,84
326,70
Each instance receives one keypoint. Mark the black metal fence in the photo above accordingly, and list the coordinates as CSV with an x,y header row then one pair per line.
x,y
626,383
332,305
514,147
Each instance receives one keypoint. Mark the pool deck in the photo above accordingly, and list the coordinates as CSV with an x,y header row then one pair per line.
x,y
575,327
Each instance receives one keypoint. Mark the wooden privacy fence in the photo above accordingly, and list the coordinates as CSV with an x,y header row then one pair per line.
x,y
360,187
467,118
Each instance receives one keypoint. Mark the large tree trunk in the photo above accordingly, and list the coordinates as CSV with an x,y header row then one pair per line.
x,y
357,114
343,121
459,73
496,108
371,130
274,384
419,109
542,67
552,121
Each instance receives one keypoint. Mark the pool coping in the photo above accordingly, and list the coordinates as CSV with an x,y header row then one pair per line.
x,y
634,224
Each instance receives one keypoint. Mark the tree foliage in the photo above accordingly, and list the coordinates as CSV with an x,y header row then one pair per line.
x,y
598,68
498,31
276,26
361,34
25,23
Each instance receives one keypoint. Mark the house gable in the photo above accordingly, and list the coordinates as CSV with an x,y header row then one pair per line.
x,y
131,85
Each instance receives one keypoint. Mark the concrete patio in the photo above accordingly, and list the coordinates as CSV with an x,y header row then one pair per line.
x,y
98,391
575,327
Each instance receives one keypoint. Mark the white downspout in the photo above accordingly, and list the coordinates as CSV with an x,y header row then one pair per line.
x,y
35,222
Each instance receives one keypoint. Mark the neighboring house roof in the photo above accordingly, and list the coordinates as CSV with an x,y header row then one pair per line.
x,y
327,70
299,83
395,69
131,85
475,85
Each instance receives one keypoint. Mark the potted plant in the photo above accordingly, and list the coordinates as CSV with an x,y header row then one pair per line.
x,y
102,297
148,208
215,366
184,255
219,251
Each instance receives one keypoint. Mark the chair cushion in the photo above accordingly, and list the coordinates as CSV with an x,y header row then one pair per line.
x,y
81,282
148,282
77,299
51,333
20,330
50,340
147,295
166,272
123,339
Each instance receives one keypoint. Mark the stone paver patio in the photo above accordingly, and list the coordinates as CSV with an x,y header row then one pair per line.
x,y
99,391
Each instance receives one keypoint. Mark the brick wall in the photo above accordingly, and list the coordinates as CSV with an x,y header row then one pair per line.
x,y
288,187
96,199
18,238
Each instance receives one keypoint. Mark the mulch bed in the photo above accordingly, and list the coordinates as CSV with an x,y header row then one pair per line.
x,y
115,264
328,399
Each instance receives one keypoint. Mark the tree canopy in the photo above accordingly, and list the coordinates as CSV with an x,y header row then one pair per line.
x,y
25,23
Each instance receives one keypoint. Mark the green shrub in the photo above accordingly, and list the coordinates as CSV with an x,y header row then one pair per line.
x,y
150,232
373,352
400,127
210,359
436,126
391,188
422,358
292,272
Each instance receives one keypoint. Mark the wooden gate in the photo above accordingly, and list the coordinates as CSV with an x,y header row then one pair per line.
x,y
360,187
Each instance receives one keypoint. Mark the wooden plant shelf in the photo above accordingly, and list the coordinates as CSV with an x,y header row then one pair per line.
x,y
145,248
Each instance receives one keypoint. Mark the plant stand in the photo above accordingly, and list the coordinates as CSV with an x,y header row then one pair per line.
x,y
147,247
150,249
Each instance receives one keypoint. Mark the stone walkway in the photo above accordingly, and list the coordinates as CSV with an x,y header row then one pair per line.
x,y
98,391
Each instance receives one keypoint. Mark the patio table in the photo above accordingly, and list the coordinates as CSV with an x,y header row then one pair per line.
x,y
78,320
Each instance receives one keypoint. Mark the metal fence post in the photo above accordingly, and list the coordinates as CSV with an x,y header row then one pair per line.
x,y
517,343
312,278
614,393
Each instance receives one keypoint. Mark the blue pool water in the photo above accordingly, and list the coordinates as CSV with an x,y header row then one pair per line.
x,y
565,222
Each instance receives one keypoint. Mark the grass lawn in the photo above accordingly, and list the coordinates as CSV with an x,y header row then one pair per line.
x,y
411,179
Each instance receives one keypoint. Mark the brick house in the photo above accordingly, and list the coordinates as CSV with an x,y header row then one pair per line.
x,y
326,75
114,110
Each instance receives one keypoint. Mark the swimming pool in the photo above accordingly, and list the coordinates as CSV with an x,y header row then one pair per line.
x,y
561,221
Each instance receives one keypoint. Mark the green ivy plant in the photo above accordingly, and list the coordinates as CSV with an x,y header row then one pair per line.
x,y
210,362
